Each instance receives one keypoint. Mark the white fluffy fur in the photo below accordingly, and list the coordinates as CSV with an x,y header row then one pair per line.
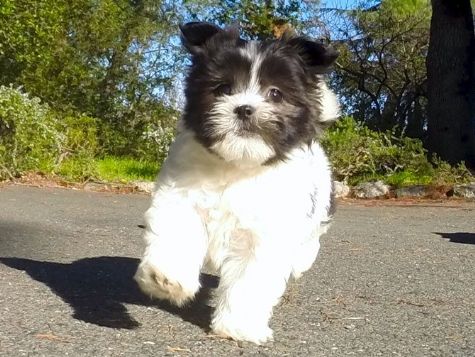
x,y
328,103
255,225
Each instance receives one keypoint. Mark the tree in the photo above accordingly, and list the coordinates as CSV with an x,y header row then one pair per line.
x,y
380,74
91,56
258,19
28,35
451,81
111,59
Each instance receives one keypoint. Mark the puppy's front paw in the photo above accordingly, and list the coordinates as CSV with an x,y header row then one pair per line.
x,y
249,330
154,283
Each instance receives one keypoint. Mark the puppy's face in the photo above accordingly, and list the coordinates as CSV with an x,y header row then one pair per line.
x,y
252,101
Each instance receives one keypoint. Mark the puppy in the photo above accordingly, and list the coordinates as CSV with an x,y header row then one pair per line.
x,y
246,189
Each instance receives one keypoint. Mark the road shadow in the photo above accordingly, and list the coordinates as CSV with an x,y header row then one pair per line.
x,y
97,289
459,237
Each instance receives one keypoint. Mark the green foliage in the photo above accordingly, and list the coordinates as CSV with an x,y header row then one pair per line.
x,y
108,169
29,139
148,140
257,19
110,59
122,169
81,135
403,8
156,140
444,173
360,154
28,34
77,168
381,72
80,148
406,178
35,138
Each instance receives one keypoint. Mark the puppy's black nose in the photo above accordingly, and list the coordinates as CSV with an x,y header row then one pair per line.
x,y
244,112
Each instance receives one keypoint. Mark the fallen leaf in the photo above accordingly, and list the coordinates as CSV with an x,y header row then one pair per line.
x,y
178,349
50,337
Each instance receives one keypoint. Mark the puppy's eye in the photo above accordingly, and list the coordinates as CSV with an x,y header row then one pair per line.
x,y
223,89
275,95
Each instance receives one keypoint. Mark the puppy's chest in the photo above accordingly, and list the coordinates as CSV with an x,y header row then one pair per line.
x,y
230,204
250,204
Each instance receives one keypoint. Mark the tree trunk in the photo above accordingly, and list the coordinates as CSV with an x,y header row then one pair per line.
x,y
451,82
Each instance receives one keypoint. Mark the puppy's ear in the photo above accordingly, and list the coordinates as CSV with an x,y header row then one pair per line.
x,y
195,34
316,55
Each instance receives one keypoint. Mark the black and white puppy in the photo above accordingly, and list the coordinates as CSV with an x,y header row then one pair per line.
x,y
246,188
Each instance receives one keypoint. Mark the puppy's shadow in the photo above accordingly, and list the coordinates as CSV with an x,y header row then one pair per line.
x,y
97,289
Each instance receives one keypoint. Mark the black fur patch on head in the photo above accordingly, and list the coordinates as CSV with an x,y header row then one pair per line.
x,y
316,55
224,66
222,62
284,69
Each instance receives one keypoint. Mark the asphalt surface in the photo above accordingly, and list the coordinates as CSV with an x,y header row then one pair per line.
x,y
390,280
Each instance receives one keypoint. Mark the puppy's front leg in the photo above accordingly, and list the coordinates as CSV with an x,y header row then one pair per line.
x,y
176,245
253,278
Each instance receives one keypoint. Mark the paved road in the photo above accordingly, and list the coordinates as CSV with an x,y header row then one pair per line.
x,y
390,281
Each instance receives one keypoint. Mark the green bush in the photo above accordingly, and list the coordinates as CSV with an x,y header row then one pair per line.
x,y
80,147
35,138
360,154
148,140
443,173
81,135
77,168
29,138
156,140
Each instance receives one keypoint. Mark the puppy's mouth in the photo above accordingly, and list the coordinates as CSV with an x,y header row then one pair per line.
x,y
241,141
246,128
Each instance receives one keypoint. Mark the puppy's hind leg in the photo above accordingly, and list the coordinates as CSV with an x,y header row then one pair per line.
x,y
253,279
176,247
